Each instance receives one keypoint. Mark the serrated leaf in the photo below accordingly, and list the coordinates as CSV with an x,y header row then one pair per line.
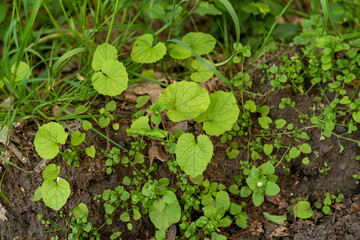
x,y
112,80
104,122
193,157
281,220
125,217
241,220
77,138
221,114
141,127
184,100
54,194
143,50
47,139
164,219
235,209
103,53
90,151
51,172
202,73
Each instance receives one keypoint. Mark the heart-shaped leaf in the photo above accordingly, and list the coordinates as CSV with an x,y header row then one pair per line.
x,y
143,50
112,80
193,157
141,127
184,100
90,151
54,194
221,114
103,53
200,43
47,139
202,73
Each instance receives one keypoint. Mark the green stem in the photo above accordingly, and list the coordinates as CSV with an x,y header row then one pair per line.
x,y
112,21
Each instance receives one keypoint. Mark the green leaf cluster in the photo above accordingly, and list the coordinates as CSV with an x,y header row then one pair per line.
x,y
260,181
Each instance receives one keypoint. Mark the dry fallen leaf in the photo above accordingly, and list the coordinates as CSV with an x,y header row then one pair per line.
x,y
172,233
143,88
2,213
277,200
157,152
280,232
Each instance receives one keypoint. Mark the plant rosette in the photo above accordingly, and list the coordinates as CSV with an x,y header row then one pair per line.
x,y
260,181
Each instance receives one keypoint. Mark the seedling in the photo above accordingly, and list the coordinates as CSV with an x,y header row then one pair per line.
x,y
324,170
328,200
54,191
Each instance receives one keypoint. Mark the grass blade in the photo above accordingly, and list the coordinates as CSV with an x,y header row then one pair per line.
x,y
258,53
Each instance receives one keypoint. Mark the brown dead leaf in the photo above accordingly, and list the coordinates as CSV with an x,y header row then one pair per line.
x,y
181,125
280,232
172,233
2,213
277,200
144,88
213,84
257,229
157,152
354,83
130,97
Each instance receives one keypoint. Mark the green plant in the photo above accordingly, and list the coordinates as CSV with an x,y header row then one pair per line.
x,y
54,191
79,226
328,200
48,138
107,117
303,210
113,159
357,177
261,180
324,170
